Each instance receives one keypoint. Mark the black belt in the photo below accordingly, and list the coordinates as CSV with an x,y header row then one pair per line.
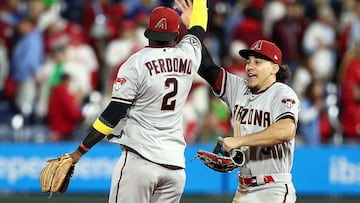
x,y
129,149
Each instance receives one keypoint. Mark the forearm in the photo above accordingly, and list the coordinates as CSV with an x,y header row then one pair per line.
x,y
104,125
208,69
282,131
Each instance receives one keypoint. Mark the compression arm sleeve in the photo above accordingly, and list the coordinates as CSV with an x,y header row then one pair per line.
x,y
104,125
197,31
208,69
199,16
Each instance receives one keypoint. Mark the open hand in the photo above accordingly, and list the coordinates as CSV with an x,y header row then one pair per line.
x,y
186,7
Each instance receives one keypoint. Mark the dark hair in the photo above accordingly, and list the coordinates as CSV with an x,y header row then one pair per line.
x,y
65,77
284,74
161,43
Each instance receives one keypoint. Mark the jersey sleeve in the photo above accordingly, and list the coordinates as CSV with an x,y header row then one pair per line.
x,y
286,104
125,85
191,45
228,86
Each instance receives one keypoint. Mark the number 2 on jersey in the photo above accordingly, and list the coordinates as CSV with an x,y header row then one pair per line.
x,y
169,101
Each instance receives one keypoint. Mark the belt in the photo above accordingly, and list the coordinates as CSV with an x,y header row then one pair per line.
x,y
255,180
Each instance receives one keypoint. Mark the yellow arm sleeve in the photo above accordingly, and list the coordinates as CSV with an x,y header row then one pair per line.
x,y
199,16
101,127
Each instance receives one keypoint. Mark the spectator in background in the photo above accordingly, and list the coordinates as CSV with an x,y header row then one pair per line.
x,y
6,31
303,75
35,10
26,60
217,30
350,95
119,49
64,111
347,17
141,21
250,27
320,41
313,120
273,11
48,77
58,31
354,35
288,32
4,67
235,64
101,21
83,57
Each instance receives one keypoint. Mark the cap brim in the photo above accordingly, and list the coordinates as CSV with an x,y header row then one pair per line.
x,y
245,53
160,36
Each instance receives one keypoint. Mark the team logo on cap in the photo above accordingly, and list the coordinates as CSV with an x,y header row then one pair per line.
x,y
161,24
257,46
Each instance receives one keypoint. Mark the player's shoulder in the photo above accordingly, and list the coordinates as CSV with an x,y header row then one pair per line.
x,y
138,56
284,89
191,40
283,86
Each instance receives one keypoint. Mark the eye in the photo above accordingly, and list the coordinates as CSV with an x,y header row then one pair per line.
x,y
258,61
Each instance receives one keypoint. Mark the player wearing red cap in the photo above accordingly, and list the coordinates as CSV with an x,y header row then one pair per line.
x,y
265,115
149,95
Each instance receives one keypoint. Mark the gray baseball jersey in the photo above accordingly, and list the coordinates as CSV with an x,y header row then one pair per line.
x,y
157,81
255,112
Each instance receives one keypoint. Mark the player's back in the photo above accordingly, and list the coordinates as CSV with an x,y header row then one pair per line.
x,y
157,82
165,78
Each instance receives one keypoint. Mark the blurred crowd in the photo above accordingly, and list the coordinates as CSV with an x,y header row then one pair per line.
x,y
58,59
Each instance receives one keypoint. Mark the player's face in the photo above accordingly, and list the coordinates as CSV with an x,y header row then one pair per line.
x,y
260,73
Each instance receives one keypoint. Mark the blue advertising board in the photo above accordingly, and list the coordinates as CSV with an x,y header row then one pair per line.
x,y
323,170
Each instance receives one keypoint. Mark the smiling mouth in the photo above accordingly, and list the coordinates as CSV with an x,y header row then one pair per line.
x,y
251,75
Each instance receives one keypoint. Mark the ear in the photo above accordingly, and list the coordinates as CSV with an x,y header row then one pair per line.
x,y
275,68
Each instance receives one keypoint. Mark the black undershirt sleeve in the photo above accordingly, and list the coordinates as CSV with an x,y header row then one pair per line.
x,y
208,69
111,116
198,31
113,113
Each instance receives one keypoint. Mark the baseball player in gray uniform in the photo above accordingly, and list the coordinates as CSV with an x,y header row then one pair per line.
x,y
265,115
149,94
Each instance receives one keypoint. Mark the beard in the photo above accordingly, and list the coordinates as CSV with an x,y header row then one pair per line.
x,y
254,88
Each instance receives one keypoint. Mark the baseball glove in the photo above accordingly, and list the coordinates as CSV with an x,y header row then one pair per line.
x,y
56,175
219,160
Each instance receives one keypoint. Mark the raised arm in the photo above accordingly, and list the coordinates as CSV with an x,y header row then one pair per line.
x,y
194,16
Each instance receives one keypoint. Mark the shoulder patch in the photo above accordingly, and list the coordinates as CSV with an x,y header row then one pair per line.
x,y
288,102
118,83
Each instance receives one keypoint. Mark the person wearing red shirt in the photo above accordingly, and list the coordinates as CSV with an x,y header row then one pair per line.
x,y
64,112
350,96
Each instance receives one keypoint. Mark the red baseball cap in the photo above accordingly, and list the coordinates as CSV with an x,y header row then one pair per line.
x,y
263,49
164,24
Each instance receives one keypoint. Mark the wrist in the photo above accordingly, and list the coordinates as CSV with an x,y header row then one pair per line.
x,y
82,148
